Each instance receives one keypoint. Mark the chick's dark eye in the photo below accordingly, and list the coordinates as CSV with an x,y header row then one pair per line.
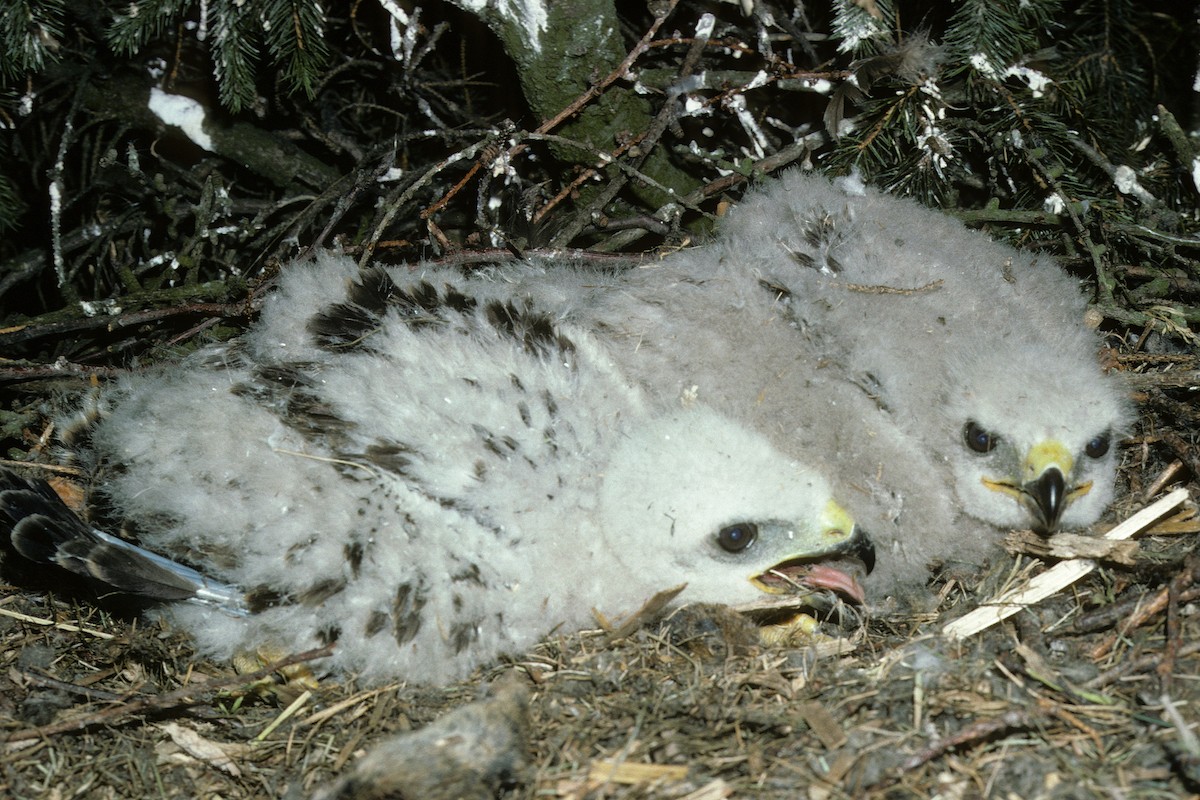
x,y
736,538
1097,447
978,439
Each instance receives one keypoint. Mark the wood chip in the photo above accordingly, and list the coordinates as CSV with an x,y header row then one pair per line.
x,y
218,754
823,724
630,773
717,790
1071,545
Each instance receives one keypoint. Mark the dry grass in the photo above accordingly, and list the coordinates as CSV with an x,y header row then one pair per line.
x,y
1083,695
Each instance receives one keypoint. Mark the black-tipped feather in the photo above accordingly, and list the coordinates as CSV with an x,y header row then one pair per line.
x,y
42,529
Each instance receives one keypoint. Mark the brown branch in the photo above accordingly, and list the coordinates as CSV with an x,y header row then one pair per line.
x,y
29,331
596,89
1189,576
1138,665
592,92
1175,590
973,734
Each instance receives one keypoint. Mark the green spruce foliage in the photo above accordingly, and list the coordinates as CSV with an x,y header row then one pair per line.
x,y
29,34
1064,124
291,32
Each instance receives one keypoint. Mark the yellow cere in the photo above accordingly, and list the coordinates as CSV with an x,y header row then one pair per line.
x,y
1041,457
836,523
1044,455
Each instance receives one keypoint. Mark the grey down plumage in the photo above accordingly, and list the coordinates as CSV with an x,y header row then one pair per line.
x,y
975,352
945,383
430,478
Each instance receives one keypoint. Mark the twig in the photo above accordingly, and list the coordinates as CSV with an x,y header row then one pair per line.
x,y
1138,665
596,89
36,330
1172,593
979,731
46,681
284,715
1171,650
185,696
593,91
644,143
1056,578
1110,615
49,623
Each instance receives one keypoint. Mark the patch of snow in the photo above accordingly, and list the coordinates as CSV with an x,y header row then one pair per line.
x,y
183,113
853,26
1035,80
818,85
984,66
760,79
1127,182
737,104
530,15
94,308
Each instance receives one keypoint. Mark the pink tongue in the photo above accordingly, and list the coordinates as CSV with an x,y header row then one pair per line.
x,y
821,576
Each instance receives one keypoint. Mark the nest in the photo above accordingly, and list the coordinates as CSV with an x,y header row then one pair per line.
x,y
1087,692
1083,694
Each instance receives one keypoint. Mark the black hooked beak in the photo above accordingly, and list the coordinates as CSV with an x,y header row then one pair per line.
x,y
1047,500
862,548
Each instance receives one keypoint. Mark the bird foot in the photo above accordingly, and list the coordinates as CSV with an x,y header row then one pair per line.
x,y
284,685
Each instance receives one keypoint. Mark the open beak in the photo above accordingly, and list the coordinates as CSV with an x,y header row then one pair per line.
x,y
839,572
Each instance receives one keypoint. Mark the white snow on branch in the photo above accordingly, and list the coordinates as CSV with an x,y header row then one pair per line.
x,y
1127,182
530,15
1035,80
183,113
983,65
853,25
737,104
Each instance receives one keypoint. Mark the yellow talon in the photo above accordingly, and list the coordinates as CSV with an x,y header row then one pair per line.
x,y
285,684
800,629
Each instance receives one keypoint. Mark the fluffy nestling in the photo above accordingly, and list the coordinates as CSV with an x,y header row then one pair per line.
x,y
977,349
430,478
945,383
